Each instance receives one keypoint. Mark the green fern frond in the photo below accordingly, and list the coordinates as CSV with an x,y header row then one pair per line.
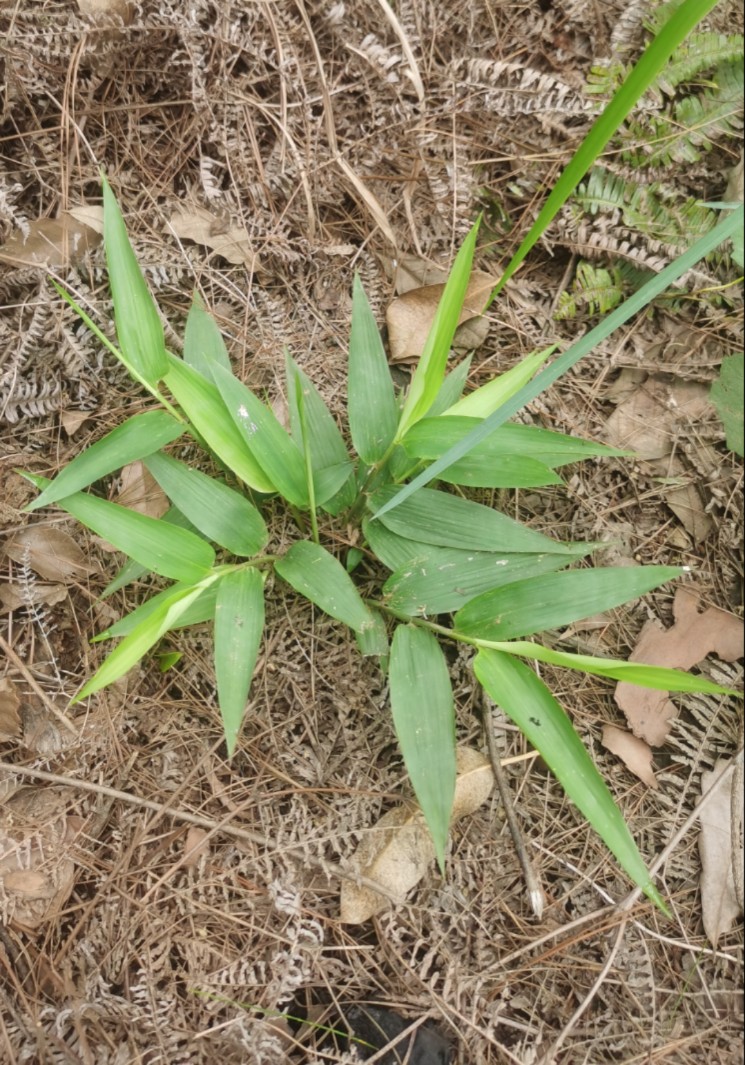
x,y
594,291
701,52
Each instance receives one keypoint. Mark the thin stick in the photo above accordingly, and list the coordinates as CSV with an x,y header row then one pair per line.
x,y
27,676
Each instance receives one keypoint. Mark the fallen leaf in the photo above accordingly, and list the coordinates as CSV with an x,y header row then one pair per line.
x,y
89,214
107,10
195,846
72,420
691,638
719,853
231,242
633,752
411,271
409,317
10,718
14,597
50,552
52,242
139,491
399,849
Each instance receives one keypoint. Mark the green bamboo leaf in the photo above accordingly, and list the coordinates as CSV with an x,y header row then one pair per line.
x,y
441,579
424,719
216,510
157,545
272,448
556,600
147,633
138,325
239,623
203,342
511,471
198,610
518,691
485,400
134,439
317,575
452,388
657,677
430,370
131,570
373,638
371,401
434,517
331,464
203,406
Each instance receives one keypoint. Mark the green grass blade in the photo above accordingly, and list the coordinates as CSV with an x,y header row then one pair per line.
x,y
329,459
483,401
434,517
371,401
203,406
138,325
203,342
317,575
134,439
721,232
658,677
683,17
158,545
430,370
440,579
517,690
272,448
219,512
558,599
142,637
239,623
424,719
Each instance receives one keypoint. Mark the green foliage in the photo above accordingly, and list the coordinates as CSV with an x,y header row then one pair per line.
x,y
727,397
594,291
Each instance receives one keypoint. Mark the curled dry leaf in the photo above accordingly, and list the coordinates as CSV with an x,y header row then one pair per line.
x,y
633,752
50,552
52,242
231,242
399,849
721,852
409,317
10,718
36,870
14,597
693,636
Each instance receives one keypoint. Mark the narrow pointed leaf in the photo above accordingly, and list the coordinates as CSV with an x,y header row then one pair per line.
x,y
198,610
438,518
371,401
517,690
239,623
555,600
221,513
132,570
317,575
329,458
510,471
203,406
452,389
138,325
658,677
430,370
203,342
139,641
272,448
134,439
483,401
424,719
373,638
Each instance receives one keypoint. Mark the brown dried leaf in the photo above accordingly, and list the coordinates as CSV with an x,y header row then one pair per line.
x,y
52,242
13,597
72,420
409,317
399,850
652,413
633,752
720,853
107,11
231,242
195,846
10,718
50,552
693,636
139,491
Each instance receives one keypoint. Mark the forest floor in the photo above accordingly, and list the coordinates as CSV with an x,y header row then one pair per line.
x,y
161,903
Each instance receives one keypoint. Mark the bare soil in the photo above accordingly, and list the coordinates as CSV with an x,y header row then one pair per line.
x,y
174,901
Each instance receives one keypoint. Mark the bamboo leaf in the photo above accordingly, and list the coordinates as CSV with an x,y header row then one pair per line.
x,y
239,623
452,388
200,609
371,402
203,342
317,575
221,513
483,401
203,406
424,719
138,325
518,691
555,600
132,570
430,371
134,439
271,447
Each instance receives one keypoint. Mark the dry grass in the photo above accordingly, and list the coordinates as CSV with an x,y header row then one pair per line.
x,y
206,895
